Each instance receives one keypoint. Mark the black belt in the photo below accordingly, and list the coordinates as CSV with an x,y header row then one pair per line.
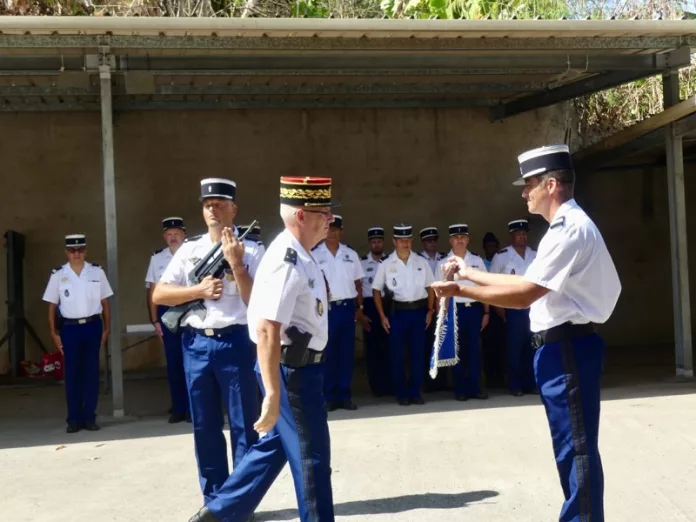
x,y
341,302
217,332
562,332
84,320
410,305
297,357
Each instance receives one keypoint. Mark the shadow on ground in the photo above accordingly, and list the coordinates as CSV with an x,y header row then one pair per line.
x,y
391,505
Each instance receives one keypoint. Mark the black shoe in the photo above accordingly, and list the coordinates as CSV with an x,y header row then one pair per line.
x,y
517,393
417,400
349,405
481,396
175,418
460,398
331,406
188,417
404,402
91,426
73,428
203,515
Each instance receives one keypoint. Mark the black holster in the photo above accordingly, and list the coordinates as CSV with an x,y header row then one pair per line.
x,y
299,354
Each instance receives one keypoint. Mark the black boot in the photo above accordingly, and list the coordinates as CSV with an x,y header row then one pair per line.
x,y
203,515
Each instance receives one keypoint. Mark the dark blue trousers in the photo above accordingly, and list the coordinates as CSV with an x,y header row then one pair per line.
x,y
81,347
175,366
568,376
220,371
407,336
519,350
300,437
376,343
340,351
466,374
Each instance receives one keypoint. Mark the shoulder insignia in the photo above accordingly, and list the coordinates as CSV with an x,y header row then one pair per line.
x,y
443,254
56,269
95,265
363,258
157,251
259,243
560,222
474,254
384,257
290,256
502,251
193,238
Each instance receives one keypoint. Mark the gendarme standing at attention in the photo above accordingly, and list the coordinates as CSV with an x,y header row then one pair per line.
x,y
570,286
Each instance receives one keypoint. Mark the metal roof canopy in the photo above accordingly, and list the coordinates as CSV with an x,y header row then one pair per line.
x,y
51,63
106,64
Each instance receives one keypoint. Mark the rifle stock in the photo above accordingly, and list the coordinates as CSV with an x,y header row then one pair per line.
x,y
173,317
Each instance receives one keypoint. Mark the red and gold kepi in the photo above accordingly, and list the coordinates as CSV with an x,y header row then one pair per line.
x,y
300,191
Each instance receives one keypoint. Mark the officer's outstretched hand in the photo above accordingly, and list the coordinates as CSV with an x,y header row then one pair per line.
x,y
455,269
270,410
445,288
210,288
232,247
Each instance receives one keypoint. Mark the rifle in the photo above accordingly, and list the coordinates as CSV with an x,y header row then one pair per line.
x,y
173,317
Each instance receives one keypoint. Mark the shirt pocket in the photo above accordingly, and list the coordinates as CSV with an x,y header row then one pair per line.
x,y
229,287
419,277
94,290
66,292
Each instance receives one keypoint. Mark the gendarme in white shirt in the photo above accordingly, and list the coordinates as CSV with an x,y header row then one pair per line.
x,y
574,263
230,308
508,261
80,296
289,288
341,271
471,260
409,281
158,264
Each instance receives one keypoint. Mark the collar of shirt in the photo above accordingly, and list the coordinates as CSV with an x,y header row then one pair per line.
x,y
564,209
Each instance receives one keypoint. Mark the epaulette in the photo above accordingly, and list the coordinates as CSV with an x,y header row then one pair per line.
x,y
363,258
290,256
193,238
502,251
259,243
384,256
157,251
96,265
474,254
560,222
56,269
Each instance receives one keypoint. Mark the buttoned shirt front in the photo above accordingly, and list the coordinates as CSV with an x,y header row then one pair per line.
x,y
78,296
158,264
369,266
289,288
573,262
508,261
230,308
341,270
471,260
408,281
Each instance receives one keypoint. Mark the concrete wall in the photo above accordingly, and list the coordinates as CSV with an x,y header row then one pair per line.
x,y
421,166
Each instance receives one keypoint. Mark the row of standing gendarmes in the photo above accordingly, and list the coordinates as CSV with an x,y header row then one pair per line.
x,y
281,321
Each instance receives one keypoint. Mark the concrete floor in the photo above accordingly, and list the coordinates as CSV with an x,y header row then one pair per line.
x,y
445,461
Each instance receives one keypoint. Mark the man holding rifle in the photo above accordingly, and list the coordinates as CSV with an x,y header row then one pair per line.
x,y
219,356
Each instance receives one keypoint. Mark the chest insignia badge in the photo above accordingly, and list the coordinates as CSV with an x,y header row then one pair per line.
x,y
320,307
512,272
370,280
311,283
66,293
63,279
394,281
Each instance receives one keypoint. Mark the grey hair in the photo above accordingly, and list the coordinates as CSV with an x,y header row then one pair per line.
x,y
287,213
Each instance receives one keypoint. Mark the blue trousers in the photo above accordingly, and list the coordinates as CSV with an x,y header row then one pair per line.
x,y
340,351
376,343
519,350
81,347
407,336
220,371
300,437
466,374
175,366
568,376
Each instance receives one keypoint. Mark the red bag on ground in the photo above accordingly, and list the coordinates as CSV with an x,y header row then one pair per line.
x,y
52,365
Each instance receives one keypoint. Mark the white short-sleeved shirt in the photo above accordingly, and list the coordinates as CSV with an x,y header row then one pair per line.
x,y
341,271
408,281
230,308
508,261
80,296
574,263
158,264
370,266
434,262
471,260
289,288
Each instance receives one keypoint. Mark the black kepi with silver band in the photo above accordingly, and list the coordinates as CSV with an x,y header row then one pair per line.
x,y
403,231
518,224
375,233
428,232
218,188
545,159
173,222
75,241
459,229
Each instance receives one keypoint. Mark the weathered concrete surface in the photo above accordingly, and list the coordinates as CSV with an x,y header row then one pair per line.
x,y
483,461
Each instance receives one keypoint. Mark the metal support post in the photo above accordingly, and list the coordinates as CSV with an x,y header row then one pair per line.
x,y
678,238
111,236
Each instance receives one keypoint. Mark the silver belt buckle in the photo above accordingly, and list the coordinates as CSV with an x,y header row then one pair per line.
x,y
317,357
467,304
81,321
209,332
